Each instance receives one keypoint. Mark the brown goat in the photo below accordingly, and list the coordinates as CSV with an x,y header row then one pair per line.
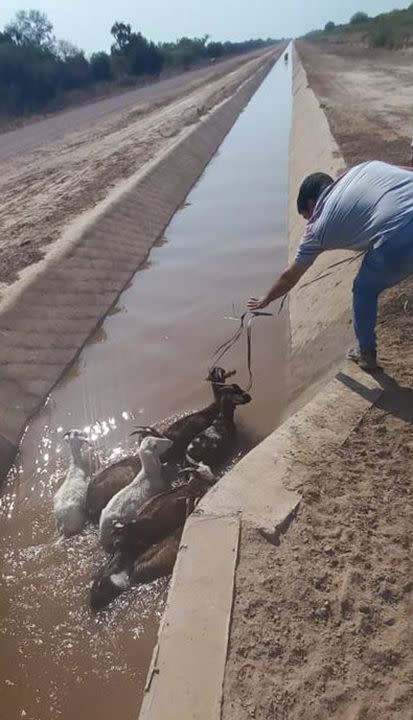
x,y
158,561
146,548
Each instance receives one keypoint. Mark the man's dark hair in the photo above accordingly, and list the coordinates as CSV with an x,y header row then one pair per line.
x,y
311,189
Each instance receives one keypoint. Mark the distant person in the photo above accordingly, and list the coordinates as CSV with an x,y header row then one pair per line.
x,y
369,208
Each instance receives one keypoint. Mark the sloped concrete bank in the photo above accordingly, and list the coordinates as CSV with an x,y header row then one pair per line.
x,y
58,304
187,676
320,313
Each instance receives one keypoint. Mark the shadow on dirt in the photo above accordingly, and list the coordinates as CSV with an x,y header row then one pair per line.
x,y
395,399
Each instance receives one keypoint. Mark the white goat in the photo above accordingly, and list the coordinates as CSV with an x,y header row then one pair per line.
x,y
70,499
122,508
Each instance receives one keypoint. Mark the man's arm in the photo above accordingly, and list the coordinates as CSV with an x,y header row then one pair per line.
x,y
282,286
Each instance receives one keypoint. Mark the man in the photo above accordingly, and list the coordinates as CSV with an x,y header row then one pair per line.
x,y
369,208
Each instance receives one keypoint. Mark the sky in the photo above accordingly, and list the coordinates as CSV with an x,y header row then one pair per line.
x,y
87,24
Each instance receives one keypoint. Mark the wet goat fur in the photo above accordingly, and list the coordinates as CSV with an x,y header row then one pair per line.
x,y
149,544
158,517
110,480
214,446
158,561
107,482
183,430
111,580
121,572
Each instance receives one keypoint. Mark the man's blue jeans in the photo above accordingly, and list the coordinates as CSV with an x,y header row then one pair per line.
x,y
382,267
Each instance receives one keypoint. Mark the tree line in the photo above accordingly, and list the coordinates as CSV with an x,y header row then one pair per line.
x,y
390,30
36,69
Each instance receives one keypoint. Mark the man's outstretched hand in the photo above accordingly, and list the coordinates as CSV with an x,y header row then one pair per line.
x,y
284,283
257,303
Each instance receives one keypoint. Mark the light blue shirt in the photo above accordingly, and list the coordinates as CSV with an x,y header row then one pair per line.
x,y
362,209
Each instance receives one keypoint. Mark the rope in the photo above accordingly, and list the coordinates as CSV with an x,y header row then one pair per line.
x,y
325,274
228,344
322,275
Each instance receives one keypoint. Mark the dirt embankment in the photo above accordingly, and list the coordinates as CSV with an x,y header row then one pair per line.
x,y
112,95
322,625
367,96
52,181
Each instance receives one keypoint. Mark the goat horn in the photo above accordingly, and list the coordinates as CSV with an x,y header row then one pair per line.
x,y
185,470
191,461
141,429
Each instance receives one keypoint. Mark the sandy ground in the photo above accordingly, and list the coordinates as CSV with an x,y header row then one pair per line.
x,y
322,624
367,97
53,170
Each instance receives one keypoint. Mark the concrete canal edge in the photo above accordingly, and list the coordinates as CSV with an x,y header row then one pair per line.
x,y
57,304
187,674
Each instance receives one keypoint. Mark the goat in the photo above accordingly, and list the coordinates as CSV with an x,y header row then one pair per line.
x,y
185,429
70,500
150,481
146,548
215,445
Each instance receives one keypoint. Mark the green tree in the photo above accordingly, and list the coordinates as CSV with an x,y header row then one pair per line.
x,y
215,49
134,54
330,26
123,35
137,54
75,73
66,50
74,69
155,60
359,17
101,66
5,38
383,34
191,49
31,27
35,69
28,78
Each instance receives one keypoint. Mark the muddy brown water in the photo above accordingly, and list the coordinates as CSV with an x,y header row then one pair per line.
x,y
146,362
